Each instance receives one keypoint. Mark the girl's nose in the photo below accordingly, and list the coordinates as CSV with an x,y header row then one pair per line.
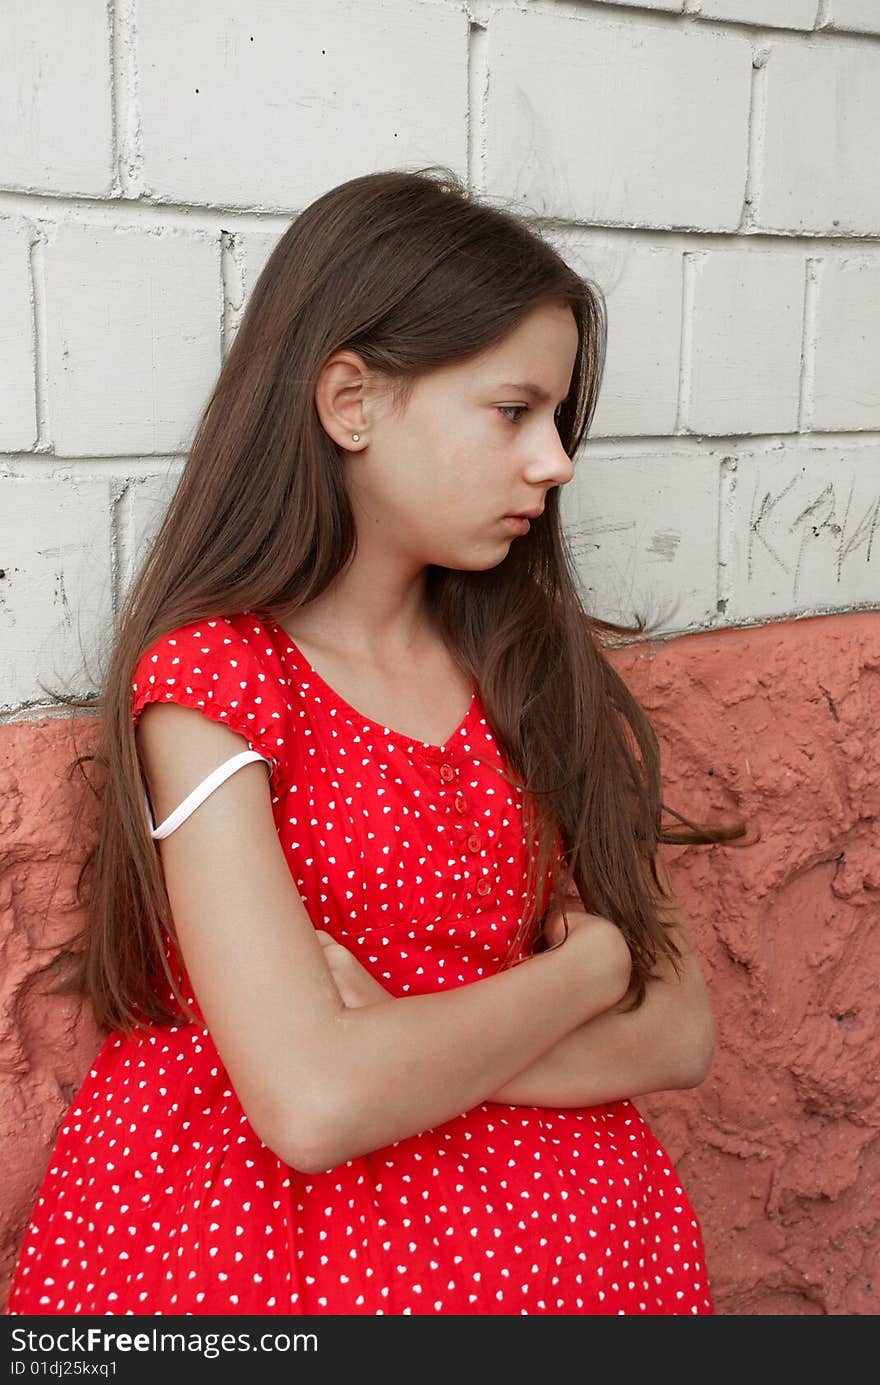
x,y
565,466
554,466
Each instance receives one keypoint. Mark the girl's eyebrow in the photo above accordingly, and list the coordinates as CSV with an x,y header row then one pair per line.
x,y
526,387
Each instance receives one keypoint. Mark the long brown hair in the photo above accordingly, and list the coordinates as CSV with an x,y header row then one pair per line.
x,y
412,272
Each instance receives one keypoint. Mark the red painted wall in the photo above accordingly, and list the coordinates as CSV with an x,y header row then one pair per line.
x,y
779,1148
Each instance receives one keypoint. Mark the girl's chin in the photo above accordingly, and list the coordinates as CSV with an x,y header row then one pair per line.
x,y
477,554
482,563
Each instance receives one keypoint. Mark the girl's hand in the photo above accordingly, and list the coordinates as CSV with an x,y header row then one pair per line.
x,y
553,932
595,936
355,984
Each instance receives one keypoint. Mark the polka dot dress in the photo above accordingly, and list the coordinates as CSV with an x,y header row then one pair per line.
x,y
161,1199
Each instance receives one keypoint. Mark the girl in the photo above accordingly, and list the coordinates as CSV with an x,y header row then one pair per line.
x,y
361,1057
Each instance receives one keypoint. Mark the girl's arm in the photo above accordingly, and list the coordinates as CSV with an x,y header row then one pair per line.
x,y
322,1083
406,1064
667,1043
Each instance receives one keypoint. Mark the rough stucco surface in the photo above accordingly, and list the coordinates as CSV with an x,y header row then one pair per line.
x,y
779,1148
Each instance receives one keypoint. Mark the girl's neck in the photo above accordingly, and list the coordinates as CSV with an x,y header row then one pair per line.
x,y
323,625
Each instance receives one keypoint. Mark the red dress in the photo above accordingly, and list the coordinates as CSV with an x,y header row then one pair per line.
x,y
161,1199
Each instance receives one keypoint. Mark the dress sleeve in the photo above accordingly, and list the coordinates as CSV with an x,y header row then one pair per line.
x,y
210,666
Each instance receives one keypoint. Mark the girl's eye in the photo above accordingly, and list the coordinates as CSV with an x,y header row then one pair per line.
x,y
523,409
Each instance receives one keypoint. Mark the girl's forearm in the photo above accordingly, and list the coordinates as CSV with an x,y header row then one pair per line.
x,y
667,1043
410,1063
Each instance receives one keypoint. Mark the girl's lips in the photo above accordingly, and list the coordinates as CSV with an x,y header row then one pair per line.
x,y
518,523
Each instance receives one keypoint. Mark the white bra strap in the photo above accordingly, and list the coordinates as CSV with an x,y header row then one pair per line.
x,y
201,792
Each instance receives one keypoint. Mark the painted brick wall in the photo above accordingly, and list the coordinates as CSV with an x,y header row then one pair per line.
x,y
707,162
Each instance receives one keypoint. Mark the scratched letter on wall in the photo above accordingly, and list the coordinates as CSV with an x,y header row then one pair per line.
x,y
805,531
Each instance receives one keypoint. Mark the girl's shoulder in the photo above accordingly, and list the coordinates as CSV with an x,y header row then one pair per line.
x,y
227,667
213,645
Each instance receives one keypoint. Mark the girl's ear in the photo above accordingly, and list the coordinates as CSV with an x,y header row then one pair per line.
x,y
340,396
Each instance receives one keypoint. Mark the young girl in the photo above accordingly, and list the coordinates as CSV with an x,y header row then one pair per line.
x,y
362,1059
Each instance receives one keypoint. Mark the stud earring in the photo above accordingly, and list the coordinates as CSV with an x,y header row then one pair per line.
x,y
355,437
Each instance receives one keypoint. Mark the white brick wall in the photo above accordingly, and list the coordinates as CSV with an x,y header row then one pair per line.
x,y
817,171
132,346
743,356
57,546
644,533
804,524
17,402
281,101
633,122
56,104
711,164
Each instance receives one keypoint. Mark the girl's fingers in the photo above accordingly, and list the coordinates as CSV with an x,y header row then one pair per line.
x,y
327,940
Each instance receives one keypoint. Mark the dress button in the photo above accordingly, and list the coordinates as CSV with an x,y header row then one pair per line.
x,y
460,802
473,843
483,886
446,773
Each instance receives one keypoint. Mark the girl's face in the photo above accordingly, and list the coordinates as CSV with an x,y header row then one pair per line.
x,y
473,446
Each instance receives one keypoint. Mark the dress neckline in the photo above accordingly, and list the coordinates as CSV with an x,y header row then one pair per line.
x,y
355,717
